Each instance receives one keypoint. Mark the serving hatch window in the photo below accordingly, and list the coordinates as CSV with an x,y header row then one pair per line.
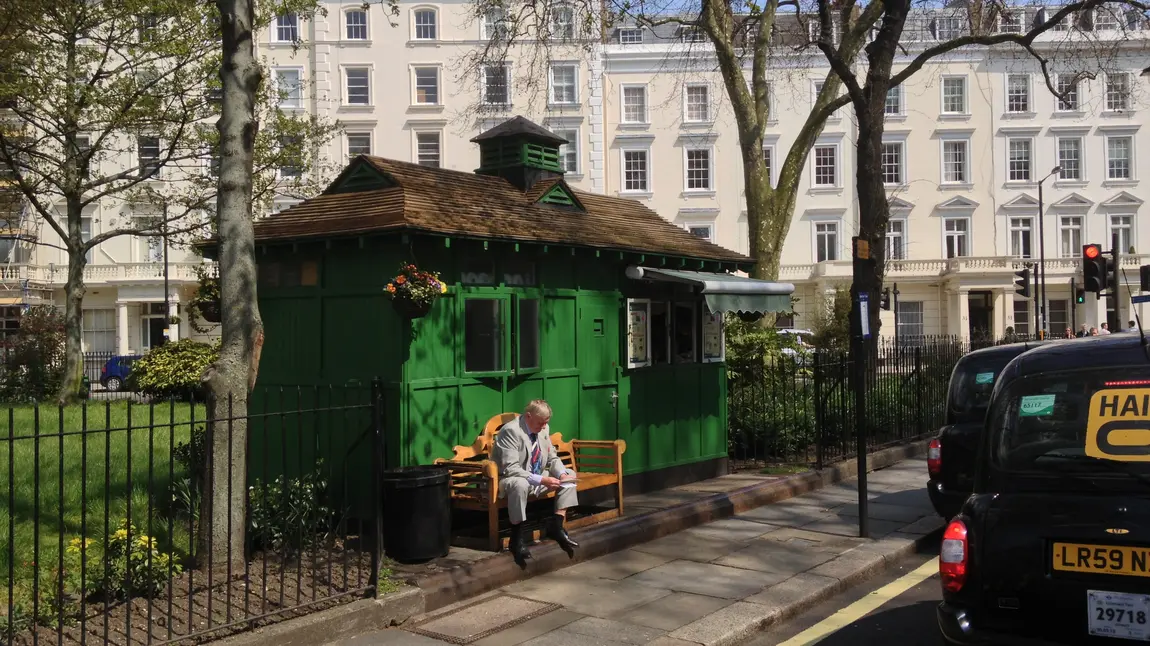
x,y
1075,421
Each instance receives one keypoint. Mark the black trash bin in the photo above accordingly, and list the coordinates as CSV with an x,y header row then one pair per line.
x,y
416,513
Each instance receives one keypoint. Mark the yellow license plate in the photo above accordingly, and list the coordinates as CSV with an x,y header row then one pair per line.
x,y
1102,559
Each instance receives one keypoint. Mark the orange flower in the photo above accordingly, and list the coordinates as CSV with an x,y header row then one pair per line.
x,y
401,280
391,288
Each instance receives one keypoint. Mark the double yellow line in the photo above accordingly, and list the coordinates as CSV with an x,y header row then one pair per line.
x,y
863,607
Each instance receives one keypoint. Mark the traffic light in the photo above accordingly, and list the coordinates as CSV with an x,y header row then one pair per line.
x,y
885,302
1022,285
1095,276
1144,278
1080,295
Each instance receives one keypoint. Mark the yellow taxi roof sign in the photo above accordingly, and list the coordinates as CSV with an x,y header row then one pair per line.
x,y
1118,426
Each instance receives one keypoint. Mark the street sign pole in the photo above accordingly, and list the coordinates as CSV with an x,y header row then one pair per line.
x,y
860,336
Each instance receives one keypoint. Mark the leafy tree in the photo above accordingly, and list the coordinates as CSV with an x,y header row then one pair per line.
x,y
1081,49
744,35
35,360
232,376
112,101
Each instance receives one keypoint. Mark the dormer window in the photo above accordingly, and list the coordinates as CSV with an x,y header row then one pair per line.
x,y
692,35
1010,23
631,36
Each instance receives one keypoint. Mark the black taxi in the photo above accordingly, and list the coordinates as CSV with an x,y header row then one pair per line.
x,y
1053,546
951,453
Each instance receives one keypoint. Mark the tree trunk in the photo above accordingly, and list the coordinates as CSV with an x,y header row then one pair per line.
x,y
874,211
232,377
73,381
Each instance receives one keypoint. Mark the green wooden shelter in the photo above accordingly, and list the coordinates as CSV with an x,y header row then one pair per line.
x,y
596,303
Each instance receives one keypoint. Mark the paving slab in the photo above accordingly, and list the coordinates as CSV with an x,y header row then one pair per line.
x,y
703,578
804,590
924,525
690,546
673,611
726,483
728,625
817,541
850,565
778,560
597,628
882,511
619,565
530,629
484,617
848,526
595,597
785,514
733,529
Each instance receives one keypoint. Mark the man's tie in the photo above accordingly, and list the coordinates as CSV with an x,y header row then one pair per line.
x,y
536,467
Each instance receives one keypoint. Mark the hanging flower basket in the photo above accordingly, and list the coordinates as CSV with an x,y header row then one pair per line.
x,y
410,309
210,311
413,291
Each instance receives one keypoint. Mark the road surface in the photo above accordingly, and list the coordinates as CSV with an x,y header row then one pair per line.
x,y
894,610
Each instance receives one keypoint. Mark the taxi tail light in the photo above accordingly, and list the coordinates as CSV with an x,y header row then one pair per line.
x,y
934,457
953,556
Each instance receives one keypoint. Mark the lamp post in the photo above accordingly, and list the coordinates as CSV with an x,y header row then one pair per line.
x,y
1041,291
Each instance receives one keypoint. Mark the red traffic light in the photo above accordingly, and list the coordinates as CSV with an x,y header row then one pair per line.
x,y
1092,251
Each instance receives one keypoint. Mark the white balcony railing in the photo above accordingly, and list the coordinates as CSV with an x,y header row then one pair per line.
x,y
907,269
56,275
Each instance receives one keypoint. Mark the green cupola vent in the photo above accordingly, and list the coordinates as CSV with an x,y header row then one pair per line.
x,y
521,152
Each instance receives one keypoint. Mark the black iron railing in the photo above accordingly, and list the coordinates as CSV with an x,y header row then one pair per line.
x,y
798,408
105,537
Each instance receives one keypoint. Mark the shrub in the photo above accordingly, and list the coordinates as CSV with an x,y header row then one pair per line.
x,y
34,368
130,565
191,456
174,369
287,514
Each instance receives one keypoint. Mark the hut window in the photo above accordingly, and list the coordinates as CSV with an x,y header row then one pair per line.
x,y
526,335
712,337
478,273
519,274
684,333
483,336
660,333
638,332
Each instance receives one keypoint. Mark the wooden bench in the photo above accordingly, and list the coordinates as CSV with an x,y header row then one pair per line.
x,y
475,476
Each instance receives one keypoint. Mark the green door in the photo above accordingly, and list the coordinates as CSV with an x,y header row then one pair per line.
x,y
598,355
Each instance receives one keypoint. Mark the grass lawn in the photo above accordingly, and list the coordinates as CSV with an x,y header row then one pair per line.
x,y
79,474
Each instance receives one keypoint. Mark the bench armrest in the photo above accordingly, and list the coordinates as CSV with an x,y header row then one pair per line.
x,y
486,467
619,445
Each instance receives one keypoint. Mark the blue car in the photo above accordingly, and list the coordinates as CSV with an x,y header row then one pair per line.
x,y
116,370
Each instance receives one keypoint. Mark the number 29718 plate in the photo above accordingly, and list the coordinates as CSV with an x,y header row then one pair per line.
x,y
1119,615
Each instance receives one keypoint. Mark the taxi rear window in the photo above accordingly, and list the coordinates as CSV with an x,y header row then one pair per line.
x,y
1095,421
970,389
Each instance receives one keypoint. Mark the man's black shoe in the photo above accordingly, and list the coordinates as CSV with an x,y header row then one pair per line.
x,y
555,531
518,544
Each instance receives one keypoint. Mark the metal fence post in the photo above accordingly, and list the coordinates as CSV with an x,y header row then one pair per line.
x,y
918,385
820,437
378,463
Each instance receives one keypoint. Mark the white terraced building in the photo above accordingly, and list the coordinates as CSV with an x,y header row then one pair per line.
x,y
969,141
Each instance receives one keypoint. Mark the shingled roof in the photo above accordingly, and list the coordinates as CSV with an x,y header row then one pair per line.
x,y
410,197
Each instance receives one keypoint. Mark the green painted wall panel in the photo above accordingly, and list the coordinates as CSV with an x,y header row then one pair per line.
x,y
520,391
688,440
432,424
557,320
712,406
479,402
431,353
370,355
563,395
285,359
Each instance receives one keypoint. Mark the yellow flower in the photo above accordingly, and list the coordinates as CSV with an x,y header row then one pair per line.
x,y
120,535
442,288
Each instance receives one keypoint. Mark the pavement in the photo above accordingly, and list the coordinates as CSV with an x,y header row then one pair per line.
x,y
716,584
896,608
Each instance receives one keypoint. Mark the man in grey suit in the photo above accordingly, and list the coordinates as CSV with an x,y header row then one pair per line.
x,y
529,466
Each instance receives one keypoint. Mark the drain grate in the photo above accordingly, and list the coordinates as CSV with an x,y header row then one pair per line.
x,y
482,619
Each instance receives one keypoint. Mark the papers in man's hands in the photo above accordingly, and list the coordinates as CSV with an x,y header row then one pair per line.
x,y
567,484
